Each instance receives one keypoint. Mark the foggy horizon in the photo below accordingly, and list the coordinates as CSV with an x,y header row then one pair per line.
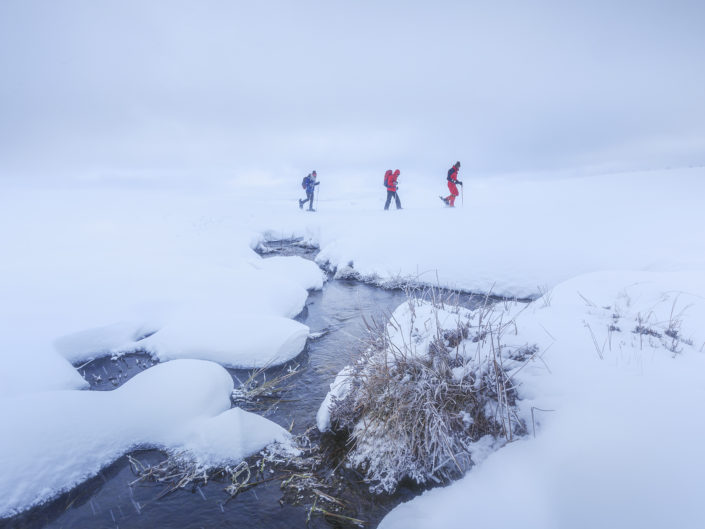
x,y
212,90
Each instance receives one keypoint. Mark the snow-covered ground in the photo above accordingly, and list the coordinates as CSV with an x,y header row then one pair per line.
x,y
618,444
513,236
104,271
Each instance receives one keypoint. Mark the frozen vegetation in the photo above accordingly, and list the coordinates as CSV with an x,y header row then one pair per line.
x,y
433,387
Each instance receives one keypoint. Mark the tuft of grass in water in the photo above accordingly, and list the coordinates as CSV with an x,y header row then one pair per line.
x,y
411,415
304,479
257,387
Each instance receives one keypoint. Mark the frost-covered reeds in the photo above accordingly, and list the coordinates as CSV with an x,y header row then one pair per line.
x,y
257,385
431,386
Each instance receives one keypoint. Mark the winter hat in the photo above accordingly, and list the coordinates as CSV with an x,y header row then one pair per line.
x,y
313,173
397,172
457,164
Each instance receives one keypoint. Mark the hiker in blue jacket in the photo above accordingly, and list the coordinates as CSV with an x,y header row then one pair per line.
x,y
309,184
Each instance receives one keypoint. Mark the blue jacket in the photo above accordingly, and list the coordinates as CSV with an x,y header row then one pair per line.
x,y
309,184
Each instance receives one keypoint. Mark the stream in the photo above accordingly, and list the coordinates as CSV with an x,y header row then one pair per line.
x,y
107,501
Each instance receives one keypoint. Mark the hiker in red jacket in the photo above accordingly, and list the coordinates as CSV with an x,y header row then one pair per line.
x,y
390,182
453,182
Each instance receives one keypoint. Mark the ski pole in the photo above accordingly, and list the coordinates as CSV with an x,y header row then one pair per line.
x,y
317,195
462,195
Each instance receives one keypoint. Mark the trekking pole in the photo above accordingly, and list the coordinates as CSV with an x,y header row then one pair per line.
x,y
317,195
462,195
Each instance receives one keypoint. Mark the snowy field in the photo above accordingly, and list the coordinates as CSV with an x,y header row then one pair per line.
x,y
616,404
89,272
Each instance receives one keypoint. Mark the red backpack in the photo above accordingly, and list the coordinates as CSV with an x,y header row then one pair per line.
x,y
386,177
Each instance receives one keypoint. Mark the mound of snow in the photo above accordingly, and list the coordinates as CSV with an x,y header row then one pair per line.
x,y
294,268
55,440
235,340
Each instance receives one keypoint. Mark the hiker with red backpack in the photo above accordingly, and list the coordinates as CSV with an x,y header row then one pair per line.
x,y
390,182
453,184
309,184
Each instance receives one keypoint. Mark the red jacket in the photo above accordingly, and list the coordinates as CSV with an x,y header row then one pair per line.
x,y
453,175
392,181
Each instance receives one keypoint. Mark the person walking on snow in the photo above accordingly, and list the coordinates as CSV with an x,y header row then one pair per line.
x,y
309,184
453,184
390,182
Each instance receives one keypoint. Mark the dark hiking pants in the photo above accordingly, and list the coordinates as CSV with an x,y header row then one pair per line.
x,y
391,194
309,199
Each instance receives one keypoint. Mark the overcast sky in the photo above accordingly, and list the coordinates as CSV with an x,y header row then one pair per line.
x,y
210,89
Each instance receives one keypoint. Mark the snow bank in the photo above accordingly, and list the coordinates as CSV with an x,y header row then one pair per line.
x,y
235,340
218,315
516,237
99,272
297,269
91,272
618,447
55,440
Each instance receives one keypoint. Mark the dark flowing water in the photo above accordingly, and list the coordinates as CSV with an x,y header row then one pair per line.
x,y
107,501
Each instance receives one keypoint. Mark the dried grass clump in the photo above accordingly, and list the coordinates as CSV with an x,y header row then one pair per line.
x,y
258,388
298,466
415,414
178,471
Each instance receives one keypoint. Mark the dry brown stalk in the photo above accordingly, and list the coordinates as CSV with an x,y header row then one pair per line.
x,y
416,414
